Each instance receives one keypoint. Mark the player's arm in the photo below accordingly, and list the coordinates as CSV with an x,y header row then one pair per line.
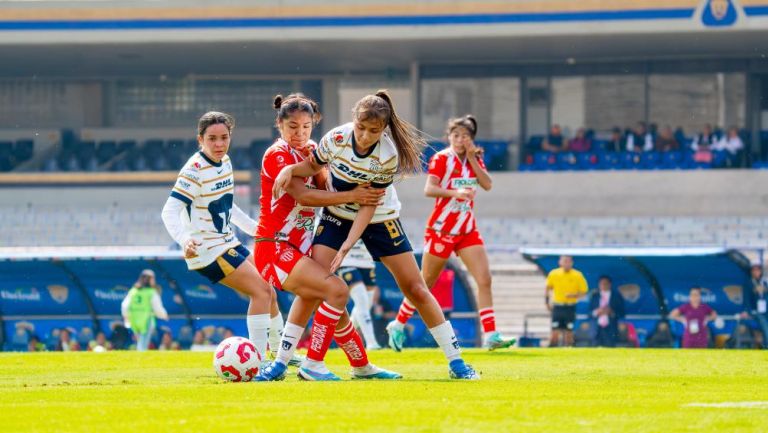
x,y
308,167
363,218
547,291
675,315
362,195
243,220
158,308
171,216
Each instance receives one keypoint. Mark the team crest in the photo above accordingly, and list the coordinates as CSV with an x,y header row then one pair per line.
x,y
735,293
287,256
338,138
630,292
59,293
719,13
348,277
232,252
439,248
375,166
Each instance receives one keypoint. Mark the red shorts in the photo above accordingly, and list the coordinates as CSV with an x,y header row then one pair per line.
x,y
275,261
442,245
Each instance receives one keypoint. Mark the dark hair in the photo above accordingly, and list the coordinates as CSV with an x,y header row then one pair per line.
x,y
214,118
294,102
407,138
467,121
695,288
605,277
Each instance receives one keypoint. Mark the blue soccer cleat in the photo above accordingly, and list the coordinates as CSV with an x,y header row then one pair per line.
x,y
396,335
459,370
305,373
370,371
273,372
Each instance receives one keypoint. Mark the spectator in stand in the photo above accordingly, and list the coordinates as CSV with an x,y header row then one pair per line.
x,y
694,316
34,344
66,342
732,144
617,143
756,303
140,307
199,342
666,141
705,139
607,308
554,141
100,343
567,286
661,336
167,343
580,143
640,139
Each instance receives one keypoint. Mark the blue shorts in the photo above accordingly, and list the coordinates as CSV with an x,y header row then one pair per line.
x,y
381,239
352,275
225,264
369,276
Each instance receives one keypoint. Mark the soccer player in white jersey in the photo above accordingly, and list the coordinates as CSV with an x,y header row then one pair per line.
x,y
362,152
198,214
454,175
359,272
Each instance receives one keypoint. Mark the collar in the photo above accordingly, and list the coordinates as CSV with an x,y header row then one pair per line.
x,y
210,161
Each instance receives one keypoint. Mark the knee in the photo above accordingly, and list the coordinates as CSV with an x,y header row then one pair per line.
x,y
337,293
416,291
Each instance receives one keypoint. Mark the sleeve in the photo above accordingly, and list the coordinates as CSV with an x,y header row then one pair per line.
x,y
172,220
387,174
683,309
242,220
187,185
157,307
583,288
125,304
619,301
550,280
273,162
328,147
437,166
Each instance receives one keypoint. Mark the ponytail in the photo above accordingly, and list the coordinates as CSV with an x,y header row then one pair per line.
x,y
467,121
408,139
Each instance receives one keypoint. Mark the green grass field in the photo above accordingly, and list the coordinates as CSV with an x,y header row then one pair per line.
x,y
555,390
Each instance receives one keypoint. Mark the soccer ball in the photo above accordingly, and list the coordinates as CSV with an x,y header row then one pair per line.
x,y
236,359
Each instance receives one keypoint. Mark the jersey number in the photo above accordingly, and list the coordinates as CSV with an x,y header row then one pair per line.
x,y
219,210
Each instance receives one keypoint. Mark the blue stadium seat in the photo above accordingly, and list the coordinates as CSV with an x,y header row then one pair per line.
x,y
567,161
650,160
544,161
672,160
631,160
24,149
587,160
609,161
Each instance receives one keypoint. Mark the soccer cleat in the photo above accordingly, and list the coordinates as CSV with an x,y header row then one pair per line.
x,y
306,374
460,370
396,335
273,372
496,341
373,346
370,371
295,361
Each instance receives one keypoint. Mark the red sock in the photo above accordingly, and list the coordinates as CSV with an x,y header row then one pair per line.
x,y
352,345
406,312
488,319
325,322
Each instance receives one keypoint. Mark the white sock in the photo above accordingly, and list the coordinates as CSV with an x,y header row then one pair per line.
x,y
275,332
362,312
318,366
370,297
258,327
291,335
446,339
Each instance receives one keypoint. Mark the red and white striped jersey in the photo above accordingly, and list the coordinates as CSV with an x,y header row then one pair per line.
x,y
283,218
450,215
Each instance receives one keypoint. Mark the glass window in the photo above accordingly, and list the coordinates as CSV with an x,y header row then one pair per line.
x,y
613,101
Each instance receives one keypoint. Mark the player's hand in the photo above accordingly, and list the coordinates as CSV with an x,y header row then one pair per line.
x,y
465,194
282,181
367,196
190,248
474,151
336,263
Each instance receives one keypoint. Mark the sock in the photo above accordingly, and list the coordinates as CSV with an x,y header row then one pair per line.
x,y
370,297
275,332
258,327
446,339
488,319
362,312
323,327
291,335
350,342
406,311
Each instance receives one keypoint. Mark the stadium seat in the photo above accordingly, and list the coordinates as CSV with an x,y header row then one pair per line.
x,y
567,161
185,337
20,340
587,160
672,160
24,150
106,150
650,160
631,160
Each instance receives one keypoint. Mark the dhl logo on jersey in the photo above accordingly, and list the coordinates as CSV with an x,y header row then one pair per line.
x,y
351,173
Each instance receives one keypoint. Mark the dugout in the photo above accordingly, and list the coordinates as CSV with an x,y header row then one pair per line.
x,y
653,281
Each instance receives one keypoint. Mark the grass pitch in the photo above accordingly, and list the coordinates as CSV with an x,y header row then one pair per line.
x,y
552,390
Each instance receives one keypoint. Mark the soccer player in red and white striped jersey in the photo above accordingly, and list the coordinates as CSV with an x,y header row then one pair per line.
x,y
454,175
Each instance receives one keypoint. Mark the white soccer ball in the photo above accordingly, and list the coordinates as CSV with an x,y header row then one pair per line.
x,y
236,359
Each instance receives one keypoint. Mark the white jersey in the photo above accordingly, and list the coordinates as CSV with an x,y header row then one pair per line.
x,y
207,188
358,257
348,169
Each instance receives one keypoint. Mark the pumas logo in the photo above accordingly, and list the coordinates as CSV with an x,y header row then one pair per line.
x,y
232,252
59,293
630,292
734,293
287,345
719,13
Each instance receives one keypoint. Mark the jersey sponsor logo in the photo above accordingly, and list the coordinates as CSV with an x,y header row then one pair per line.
x,y
351,173
184,184
192,175
305,223
59,293
461,206
223,184
463,183
330,219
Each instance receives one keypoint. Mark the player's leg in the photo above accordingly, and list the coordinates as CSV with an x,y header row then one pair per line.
x,y
240,274
475,259
408,277
361,312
